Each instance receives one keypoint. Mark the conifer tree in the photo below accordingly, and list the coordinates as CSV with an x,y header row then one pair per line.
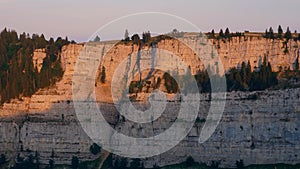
x,y
280,31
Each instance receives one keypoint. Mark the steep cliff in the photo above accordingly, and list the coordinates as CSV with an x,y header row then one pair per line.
x,y
259,131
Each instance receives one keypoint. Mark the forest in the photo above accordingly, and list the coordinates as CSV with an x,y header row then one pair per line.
x,y
18,76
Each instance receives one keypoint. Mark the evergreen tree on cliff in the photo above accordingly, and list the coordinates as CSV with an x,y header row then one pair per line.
x,y
271,33
227,33
126,35
136,39
288,34
212,34
280,31
221,34
97,39
18,76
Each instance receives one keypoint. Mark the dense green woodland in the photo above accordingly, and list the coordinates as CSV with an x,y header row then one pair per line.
x,y
18,77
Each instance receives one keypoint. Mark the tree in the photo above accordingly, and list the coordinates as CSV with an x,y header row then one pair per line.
x,y
240,164
212,34
288,34
244,75
248,73
189,161
174,31
51,164
227,33
136,39
95,149
280,31
146,37
271,33
97,39
221,34
124,162
126,35
2,159
266,34
136,164
103,75
75,162
214,164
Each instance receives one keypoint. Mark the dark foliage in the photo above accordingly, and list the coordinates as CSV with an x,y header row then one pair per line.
x,y
189,161
95,149
136,39
74,162
240,164
244,79
18,77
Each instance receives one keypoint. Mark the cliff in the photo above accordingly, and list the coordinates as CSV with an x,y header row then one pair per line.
x,y
259,131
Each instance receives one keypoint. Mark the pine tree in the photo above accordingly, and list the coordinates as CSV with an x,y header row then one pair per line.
x,y
288,34
212,34
146,37
75,162
126,35
266,34
248,72
227,33
136,39
271,33
280,31
221,34
97,39
244,75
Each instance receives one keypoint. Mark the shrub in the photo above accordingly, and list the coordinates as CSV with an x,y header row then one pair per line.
x,y
95,149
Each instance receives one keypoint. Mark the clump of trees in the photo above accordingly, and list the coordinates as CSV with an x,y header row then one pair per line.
x,y
170,83
280,34
135,38
240,164
123,163
244,79
18,77
227,35
241,78
32,162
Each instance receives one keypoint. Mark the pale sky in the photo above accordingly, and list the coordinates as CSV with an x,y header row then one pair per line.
x,y
80,19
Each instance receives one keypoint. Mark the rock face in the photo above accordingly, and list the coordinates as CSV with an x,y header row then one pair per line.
x,y
37,58
262,130
254,48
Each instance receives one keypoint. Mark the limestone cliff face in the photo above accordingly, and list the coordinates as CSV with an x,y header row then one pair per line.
x,y
37,58
261,131
254,48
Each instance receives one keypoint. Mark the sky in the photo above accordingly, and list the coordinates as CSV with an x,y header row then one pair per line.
x,y
79,20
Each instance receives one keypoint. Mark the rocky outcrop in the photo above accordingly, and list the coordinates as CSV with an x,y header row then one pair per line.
x,y
259,130
37,58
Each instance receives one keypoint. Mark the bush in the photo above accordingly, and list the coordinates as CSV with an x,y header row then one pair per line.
x,y
240,164
2,159
189,161
75,162
95,149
